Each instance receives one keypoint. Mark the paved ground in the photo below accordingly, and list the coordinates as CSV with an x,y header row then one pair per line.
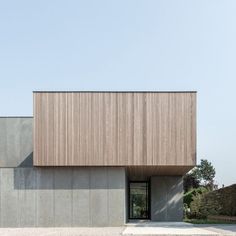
x,y
164,229
107,231
178,228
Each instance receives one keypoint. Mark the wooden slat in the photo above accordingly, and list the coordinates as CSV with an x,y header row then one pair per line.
x,y
114,129
144,172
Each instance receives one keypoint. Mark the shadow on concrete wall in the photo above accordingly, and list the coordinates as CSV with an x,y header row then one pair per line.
x,y
69,178
28,161
169,202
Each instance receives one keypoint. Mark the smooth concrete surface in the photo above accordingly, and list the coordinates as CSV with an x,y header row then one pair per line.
x,y
16,141
178,228
62,197
69,196
166,198
158,229
72,231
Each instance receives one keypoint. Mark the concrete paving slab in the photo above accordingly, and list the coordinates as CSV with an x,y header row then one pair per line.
x,y
101,231
177,228
165,229
224,229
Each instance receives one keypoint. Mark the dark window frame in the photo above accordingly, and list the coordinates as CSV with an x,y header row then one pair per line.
x,y
148,203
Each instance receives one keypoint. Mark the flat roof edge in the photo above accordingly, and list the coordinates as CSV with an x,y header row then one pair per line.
x,y
40,91
16,117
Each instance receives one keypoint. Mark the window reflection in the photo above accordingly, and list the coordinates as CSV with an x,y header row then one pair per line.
x,y
139,208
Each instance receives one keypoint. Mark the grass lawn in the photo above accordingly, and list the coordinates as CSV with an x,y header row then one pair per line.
x,y
206,221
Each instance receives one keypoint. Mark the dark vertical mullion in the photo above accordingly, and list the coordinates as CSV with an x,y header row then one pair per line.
x,y
149,200
129,200
147,207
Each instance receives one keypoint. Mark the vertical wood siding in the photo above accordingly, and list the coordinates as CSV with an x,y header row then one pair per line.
x,y
114,129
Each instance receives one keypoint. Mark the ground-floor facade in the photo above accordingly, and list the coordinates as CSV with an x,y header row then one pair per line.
x,y
85,196
76,196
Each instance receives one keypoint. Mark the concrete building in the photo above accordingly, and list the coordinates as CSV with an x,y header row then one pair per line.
x,y
97,158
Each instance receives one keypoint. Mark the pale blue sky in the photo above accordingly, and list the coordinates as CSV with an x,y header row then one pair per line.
x,y
127,45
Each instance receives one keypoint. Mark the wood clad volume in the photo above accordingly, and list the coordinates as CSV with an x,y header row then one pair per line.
x,y
115,129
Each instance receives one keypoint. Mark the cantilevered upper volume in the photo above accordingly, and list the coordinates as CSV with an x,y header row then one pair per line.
x,y
149,129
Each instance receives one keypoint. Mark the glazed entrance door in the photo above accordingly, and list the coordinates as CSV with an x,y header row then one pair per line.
x,y
139,200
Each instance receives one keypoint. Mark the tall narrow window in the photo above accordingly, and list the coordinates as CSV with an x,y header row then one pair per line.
x,y
139,200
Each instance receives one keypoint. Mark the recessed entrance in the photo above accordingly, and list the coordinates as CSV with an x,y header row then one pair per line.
x,y
139,203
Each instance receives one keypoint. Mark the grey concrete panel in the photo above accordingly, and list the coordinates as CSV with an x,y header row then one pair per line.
x,y
45,197
3,142
98,197
26,142
48,197
9,199
26,197
63,197
166,198
81,197
0,197
16,142
116,196
175,199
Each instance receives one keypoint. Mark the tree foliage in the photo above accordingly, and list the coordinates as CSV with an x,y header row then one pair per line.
x,y
202,174
190,181
206,173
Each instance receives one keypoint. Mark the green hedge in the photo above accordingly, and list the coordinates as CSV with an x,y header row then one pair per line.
x,y
218,202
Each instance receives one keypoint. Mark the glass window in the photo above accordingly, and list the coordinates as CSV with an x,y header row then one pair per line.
x,y
138,200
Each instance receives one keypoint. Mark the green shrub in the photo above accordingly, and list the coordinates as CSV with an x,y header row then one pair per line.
x,y
188,197
196,207
186,211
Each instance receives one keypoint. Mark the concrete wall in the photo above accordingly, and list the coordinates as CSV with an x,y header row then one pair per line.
x,y
166,198
29,196
41,197
16,141
69,196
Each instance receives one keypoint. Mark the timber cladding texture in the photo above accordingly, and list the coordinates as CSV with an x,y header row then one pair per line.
x,y
114,128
